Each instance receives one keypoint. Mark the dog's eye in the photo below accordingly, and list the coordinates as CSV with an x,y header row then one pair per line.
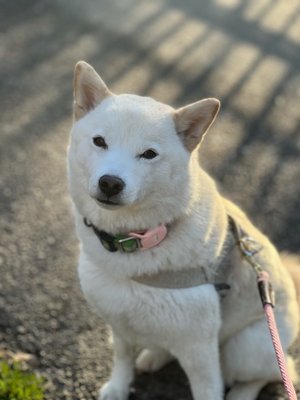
x,y
149,154
99,142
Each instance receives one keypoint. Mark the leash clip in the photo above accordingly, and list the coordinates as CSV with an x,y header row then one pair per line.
x,y
249,246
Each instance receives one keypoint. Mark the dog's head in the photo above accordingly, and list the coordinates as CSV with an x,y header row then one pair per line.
x,y
132,151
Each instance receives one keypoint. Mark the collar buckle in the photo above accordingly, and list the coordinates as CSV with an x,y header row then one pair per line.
x,y
127,244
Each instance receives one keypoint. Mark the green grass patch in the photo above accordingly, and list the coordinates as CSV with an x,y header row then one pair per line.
x,y
16,384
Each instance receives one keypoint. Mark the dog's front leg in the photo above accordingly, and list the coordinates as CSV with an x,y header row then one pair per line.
x,y
200,362
117,388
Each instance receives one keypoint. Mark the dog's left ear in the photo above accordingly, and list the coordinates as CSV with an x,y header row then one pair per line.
x,y
193,121
89,89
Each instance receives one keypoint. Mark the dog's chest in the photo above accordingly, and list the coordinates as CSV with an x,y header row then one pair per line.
x,y
148,314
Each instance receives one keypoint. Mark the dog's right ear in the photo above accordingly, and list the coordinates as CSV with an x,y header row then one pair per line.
x,y
89,89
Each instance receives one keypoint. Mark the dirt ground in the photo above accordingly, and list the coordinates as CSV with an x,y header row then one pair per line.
x,y
245,52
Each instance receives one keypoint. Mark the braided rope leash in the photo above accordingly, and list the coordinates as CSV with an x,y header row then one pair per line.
x,y
263,281
249,248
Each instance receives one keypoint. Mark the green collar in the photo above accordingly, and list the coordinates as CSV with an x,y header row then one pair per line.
x,y
122,243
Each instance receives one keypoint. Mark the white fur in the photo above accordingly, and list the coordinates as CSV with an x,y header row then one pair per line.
x,y
188,324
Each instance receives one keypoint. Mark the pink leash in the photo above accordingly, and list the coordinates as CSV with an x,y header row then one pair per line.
x,y
264,285
249,247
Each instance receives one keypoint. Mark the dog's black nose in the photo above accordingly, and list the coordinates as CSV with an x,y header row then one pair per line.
x,y
111,185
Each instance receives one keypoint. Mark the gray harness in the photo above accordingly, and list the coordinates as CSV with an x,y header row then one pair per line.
x,y
196,276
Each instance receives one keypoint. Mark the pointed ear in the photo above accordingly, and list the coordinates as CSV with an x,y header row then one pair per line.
x,y
193,121
89,89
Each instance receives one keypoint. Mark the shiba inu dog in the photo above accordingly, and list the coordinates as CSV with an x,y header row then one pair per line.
x,y
156,241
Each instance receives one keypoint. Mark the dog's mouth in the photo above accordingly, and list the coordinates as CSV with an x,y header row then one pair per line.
x,y
106,203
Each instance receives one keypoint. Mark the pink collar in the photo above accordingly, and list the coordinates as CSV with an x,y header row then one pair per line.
x,y
151,238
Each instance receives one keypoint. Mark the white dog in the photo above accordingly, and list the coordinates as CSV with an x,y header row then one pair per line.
x,y
156,239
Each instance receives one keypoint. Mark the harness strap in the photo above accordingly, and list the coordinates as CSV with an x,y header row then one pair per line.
x,y
194,276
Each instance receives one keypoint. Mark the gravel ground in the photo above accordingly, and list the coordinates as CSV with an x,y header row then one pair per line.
x,y
245,52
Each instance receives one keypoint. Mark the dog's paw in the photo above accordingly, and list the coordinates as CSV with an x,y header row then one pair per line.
x,y
152,360
111,391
